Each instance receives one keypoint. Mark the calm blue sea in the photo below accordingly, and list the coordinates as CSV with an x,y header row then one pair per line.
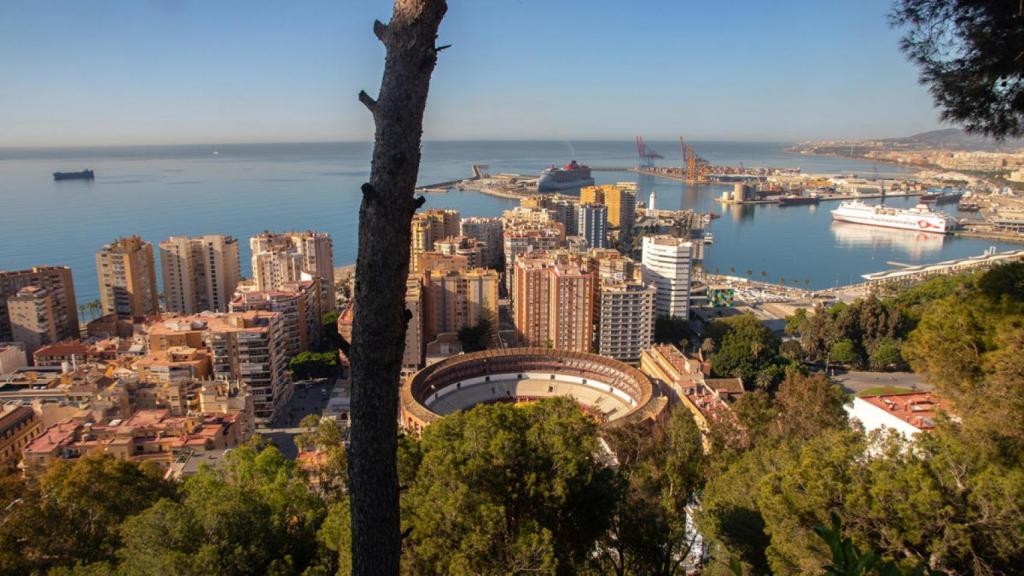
x,y
240,190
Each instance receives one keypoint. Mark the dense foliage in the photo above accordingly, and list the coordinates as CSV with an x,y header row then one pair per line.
x,y
969,55
745,348
542,489
478,336
672,330
306,365
952,503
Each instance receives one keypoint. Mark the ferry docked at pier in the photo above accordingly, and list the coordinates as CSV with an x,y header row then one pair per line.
x,y
919,217
572,175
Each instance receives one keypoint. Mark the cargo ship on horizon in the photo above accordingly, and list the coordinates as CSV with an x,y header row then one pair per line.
x,y
572,175
919,217
82,175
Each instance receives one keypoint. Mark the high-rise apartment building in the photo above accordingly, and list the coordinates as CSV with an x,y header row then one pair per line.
x,y
474,250
592,195
412,357
428,227
593,225
488,231
126,272
571,308
457,298
667,264
199,273
625,318
57,281
563,209
33,316
530,301
278,259
553,304
619,198
298,303
528,239
621,203
243,346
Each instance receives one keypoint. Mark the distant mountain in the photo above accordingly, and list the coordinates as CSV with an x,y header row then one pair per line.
x,y
953,139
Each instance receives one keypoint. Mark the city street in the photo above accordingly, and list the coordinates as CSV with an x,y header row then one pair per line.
x,y
310,397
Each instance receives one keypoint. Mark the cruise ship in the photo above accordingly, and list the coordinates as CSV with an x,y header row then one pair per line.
x,y
919,217
572,175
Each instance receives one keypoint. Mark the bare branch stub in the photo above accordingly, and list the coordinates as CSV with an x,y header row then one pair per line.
x,y
368,101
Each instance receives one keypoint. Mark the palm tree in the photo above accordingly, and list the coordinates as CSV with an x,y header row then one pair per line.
x,y
807,284
732,270
782,280
749,272
764,276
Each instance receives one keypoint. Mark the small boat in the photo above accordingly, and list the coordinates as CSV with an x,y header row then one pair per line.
x,y
708,238
968,206
83,175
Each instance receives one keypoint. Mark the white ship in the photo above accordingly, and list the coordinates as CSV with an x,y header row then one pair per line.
x,y
919,217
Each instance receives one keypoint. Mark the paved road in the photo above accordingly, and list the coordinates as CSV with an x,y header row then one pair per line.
x,y
856,381
304,401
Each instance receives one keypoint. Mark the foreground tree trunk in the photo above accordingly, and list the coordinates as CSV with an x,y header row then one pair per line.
x,y
378,334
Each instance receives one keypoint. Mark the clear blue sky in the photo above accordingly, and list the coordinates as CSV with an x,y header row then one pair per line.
x,y
95,72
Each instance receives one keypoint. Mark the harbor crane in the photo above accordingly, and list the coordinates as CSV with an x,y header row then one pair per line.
x,y
695,167
646,154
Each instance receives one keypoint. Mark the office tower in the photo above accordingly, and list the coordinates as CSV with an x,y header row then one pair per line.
x,y
593,225
412,356
488,231
667,263
199,273
428,227
57,281
553,304
33,318
298,303
621,203
625,318
458,298
126,273
282,258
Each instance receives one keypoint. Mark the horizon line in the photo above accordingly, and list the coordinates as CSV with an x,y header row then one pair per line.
x,y
425,141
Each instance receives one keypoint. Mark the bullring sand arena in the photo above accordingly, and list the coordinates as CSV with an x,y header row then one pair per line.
x,y
608,389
